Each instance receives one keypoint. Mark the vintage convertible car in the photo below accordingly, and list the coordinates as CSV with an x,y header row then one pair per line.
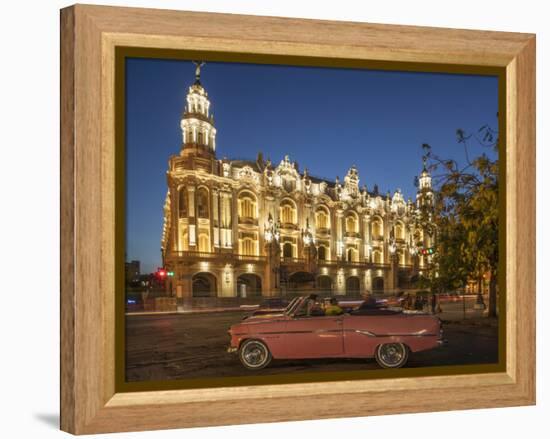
x,y
298,333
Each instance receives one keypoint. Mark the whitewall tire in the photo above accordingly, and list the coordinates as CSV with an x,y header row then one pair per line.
x,y
392,355
254,354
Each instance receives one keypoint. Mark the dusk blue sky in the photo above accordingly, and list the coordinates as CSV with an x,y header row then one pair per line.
x,y
325,119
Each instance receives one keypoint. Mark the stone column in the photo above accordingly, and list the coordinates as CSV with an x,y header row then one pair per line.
x,y
215,219
192,218
368,280
228,281
340,285
174,213
233,202
339,236
223,207
226,224
364,255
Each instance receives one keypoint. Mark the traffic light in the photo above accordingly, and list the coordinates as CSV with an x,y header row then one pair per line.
x,y
163,273
427,251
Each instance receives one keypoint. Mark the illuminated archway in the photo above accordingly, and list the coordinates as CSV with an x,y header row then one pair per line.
x,y
301,282
204,285
249,284
378,284
353,286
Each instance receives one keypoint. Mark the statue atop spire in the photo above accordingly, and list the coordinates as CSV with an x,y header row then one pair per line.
x,y
197,123
198,65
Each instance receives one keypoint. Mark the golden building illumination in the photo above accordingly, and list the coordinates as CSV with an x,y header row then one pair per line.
x,y
239,228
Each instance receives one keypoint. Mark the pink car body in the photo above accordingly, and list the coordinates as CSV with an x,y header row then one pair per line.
x,y
289,336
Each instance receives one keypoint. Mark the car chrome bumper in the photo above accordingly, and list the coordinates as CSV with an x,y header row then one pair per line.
x,y
231,350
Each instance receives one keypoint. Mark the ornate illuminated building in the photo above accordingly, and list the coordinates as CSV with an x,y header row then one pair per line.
x,y
236,228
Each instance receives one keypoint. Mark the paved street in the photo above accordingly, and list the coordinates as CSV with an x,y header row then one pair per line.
x,y
176,346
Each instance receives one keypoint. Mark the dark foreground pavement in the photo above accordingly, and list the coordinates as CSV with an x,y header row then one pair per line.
x,y
177,346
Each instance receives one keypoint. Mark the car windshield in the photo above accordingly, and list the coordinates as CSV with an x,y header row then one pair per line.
x,y
301,309
293,305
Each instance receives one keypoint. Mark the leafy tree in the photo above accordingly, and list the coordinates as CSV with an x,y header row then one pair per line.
x,y
466,214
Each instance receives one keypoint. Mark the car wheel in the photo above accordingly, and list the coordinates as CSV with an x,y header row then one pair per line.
x,y
392,355
254,354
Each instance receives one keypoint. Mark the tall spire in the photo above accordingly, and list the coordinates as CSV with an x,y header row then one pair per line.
x,y
197,123
424,196
425,180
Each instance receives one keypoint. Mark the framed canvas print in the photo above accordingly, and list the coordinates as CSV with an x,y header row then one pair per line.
x,y
292,214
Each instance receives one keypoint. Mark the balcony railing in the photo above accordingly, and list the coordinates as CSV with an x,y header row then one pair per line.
x,y
352,235
196,256
380,265
287,260
289,226
248,220
248,257
358,264
201,256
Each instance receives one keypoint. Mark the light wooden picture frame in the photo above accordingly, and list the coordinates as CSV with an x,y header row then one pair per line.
x,y
91,401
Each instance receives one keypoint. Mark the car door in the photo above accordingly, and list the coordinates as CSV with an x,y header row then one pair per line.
x,y
314,337
360,338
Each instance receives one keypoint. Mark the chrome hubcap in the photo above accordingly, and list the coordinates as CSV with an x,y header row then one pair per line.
x,y
392,353
254,354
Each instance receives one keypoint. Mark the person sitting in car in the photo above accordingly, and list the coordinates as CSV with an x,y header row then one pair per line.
x,y
313,307
333,309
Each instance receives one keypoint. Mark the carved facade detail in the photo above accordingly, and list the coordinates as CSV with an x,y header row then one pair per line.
x,y
244,227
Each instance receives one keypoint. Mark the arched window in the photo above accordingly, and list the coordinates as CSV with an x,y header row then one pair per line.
x,y
182,202
399,231
288,212
351,224
377,229
322,219
377,257
202,203
322,253
247,206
